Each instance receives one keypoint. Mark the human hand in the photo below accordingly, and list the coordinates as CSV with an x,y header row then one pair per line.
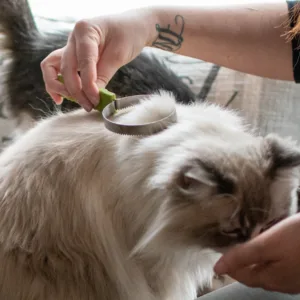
x,y
270,261
96,48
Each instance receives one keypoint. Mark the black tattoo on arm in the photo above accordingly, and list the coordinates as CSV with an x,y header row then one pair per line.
x,y
169,39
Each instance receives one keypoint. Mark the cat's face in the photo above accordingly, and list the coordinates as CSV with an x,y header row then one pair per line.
x,y
222,196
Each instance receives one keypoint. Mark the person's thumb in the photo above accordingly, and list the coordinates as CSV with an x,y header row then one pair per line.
x,y
241,256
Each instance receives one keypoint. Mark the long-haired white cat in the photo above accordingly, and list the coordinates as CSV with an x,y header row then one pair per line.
x,y
87,214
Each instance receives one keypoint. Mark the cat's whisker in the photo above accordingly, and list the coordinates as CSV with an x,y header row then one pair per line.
x,y
48,113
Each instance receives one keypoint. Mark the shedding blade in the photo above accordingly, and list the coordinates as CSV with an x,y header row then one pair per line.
x,y
110,106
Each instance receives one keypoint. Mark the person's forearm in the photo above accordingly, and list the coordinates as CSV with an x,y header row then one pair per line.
x,y
248,38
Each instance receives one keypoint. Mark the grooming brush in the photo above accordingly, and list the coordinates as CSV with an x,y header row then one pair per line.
x,y
110,106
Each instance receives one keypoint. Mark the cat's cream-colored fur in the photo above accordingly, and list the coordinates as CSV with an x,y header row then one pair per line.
x,y
87,214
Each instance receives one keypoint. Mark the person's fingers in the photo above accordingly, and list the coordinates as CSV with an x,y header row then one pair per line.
x,y
271,277
111,60
50,66
261,249
58,99
241,256
87,52
53,86
72,80
254,276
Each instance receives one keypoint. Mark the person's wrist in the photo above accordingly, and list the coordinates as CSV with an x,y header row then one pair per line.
x,y
159,20
151,18
143,21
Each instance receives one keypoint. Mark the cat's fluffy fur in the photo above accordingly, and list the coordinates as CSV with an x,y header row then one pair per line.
x,y
88,214
22,89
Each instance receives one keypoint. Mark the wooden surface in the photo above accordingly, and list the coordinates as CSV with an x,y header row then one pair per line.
x,y
269,105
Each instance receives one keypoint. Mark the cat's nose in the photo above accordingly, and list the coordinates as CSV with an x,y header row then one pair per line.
x,y
244,235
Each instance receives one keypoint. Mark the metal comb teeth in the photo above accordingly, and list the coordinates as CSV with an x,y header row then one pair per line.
x,y
146,129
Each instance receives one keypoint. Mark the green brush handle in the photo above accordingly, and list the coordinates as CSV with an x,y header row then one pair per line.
x,y
105,96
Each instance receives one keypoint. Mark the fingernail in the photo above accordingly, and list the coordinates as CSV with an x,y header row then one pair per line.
x,y
95,100
220,268
87,106
59,101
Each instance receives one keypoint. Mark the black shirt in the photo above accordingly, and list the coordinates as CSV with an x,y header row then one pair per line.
x,y
295,41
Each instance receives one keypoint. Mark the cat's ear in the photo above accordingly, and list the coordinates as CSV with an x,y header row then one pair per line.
x,y
198,175
194,177
283,152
